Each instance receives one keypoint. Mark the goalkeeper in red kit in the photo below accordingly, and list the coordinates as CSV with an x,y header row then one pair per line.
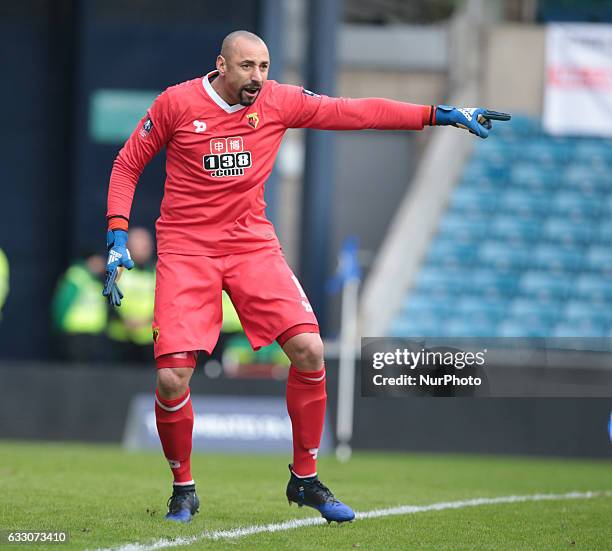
x,y
222,133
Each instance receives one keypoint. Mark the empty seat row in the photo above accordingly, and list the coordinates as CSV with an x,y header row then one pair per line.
x,y
464,227
514,327
495,309
533,283
562,203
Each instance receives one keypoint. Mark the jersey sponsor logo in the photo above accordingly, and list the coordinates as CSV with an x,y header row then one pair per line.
x,y
227,157
147,126
309,93
200,126
253,119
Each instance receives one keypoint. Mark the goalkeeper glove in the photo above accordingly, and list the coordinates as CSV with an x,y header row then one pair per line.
x,y
118,258
474,119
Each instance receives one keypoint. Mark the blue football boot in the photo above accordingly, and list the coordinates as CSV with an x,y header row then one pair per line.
x,y
313,493
183,504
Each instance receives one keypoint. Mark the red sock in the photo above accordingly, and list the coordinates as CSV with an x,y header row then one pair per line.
x,y
175,427
306,398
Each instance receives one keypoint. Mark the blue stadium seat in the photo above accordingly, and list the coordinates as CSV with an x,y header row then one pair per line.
x,y
474,171
593,152
480,183
490,283
599,258
428,306
519,327
544,285
469,327
568,231
534,176
578,329
582,311
411,327
519,202
589,185
482,307
494,168
534,310
416,301
448,252
515,229
519,126
502,149
604,232
579,172
498,150
546,152
467,199
594,288
608,206
578,205
463,228
442,282
558,258
503,255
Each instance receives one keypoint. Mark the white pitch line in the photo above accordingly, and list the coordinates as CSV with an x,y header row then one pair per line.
x,y
241,532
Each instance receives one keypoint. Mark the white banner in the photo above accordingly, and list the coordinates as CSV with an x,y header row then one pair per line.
x,y
578,87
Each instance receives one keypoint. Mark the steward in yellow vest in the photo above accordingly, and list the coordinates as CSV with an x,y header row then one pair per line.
x,y
79,312
4,279
130,325
133,320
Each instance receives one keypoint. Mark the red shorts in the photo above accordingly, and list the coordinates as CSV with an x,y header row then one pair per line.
x,y
188,315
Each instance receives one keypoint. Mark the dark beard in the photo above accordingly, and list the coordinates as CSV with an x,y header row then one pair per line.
x,y
247,101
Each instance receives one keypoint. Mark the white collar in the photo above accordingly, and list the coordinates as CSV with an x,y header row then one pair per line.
x,y
217,98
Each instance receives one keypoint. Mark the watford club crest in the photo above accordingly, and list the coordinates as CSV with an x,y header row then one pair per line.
x,y
253,119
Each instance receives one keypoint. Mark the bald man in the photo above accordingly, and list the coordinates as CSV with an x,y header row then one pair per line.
x,y
222,133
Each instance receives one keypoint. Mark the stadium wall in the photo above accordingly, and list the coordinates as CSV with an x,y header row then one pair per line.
x,y
514,68
45,402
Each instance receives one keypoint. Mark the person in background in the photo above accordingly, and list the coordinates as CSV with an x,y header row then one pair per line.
x,y
130,325
78,314
4,279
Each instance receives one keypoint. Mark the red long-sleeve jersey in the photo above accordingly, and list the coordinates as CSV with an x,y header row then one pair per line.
x,y
219,156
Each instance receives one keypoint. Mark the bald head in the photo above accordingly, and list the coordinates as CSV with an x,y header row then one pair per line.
x,y
243,68
234,40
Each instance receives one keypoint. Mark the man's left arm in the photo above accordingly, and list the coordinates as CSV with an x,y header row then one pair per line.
x,y
308,110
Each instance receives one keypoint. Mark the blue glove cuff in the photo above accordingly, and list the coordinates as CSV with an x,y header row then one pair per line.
x,y
116,238
444,115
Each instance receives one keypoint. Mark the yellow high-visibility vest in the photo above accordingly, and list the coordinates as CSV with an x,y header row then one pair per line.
x,y
87,312
136,310
4,279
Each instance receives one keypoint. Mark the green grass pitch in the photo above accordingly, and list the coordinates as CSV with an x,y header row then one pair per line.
x,y
107,497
